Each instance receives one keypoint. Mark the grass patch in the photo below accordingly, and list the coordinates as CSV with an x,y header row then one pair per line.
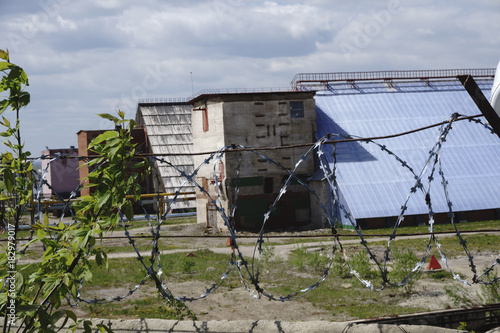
x,y
448,227
344,297
201,265
21,234
168,221
450,245
144,245
144,308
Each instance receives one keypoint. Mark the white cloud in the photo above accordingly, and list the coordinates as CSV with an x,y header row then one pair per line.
x,y
425,32
66,24
88,57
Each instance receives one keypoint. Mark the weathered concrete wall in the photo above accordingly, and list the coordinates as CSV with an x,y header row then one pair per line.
x,y
318,218
252,120
207,138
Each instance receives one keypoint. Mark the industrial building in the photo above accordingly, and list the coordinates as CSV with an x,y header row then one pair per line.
x,y
254,119
84,139
372,185
167,124
61,174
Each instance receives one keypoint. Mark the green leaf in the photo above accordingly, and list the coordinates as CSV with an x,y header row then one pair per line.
x,y
5,122
23,99
4,55
19,280
9,180
24,308
5,65
87,275
109,117
103,328
87,326
102,200
44,318
103,137
4,104
71,315
129,211
41,233
98,259
66,280
56,316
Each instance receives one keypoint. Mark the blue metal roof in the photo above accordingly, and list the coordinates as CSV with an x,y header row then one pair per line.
x,y
372,182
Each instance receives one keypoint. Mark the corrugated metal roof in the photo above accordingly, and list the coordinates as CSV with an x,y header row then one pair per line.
x,y
372,182
168,127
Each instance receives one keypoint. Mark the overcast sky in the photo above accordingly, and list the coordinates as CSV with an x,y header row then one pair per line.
x,y
85,57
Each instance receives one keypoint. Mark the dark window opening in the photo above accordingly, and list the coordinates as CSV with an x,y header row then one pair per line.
x,y
268,185
247,181
297,109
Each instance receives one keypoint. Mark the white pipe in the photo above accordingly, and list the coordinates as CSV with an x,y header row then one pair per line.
x,y
495,91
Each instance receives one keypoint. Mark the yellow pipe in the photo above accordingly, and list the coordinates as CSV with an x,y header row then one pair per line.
x,y
143,196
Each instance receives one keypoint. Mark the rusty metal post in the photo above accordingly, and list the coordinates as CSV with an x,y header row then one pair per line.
x,y
161,206
481,101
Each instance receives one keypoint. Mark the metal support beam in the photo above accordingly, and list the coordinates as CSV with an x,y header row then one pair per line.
x,y
481,101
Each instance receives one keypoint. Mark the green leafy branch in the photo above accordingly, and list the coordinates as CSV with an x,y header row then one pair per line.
x,y
65,261
15,183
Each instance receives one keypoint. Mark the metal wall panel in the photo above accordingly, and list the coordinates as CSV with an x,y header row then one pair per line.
x,y
373,183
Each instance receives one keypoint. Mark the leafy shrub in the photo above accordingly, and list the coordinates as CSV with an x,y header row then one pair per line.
x,y
305,261
489,293
186,265
361,264
461,296
340,267
441,275
402,269
268,251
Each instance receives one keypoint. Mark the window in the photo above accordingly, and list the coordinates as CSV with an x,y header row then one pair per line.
x,y
268,185
297,109
247,181
205,119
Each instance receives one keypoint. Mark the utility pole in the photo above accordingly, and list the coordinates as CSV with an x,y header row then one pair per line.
x,y
481,101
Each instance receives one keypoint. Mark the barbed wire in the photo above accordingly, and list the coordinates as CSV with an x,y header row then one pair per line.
x,y
289,236
283,147
249,269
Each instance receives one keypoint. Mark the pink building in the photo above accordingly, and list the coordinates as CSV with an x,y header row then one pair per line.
x,y
62,174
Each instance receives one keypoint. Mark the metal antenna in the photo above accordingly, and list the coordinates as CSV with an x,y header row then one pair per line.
x,y
192,87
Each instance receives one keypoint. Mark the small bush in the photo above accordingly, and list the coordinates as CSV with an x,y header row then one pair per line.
x,y
402,269
441,275
268,252
304,260
490,293
186,265
361,264
340,267
461,296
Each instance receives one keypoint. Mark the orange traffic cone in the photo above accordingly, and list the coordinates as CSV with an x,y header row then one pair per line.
x,y
434,264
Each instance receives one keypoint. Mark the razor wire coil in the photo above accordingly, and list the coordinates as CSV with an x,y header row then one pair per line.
x,y
249,270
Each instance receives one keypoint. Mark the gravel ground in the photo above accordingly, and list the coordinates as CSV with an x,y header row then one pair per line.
x,y
237,311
